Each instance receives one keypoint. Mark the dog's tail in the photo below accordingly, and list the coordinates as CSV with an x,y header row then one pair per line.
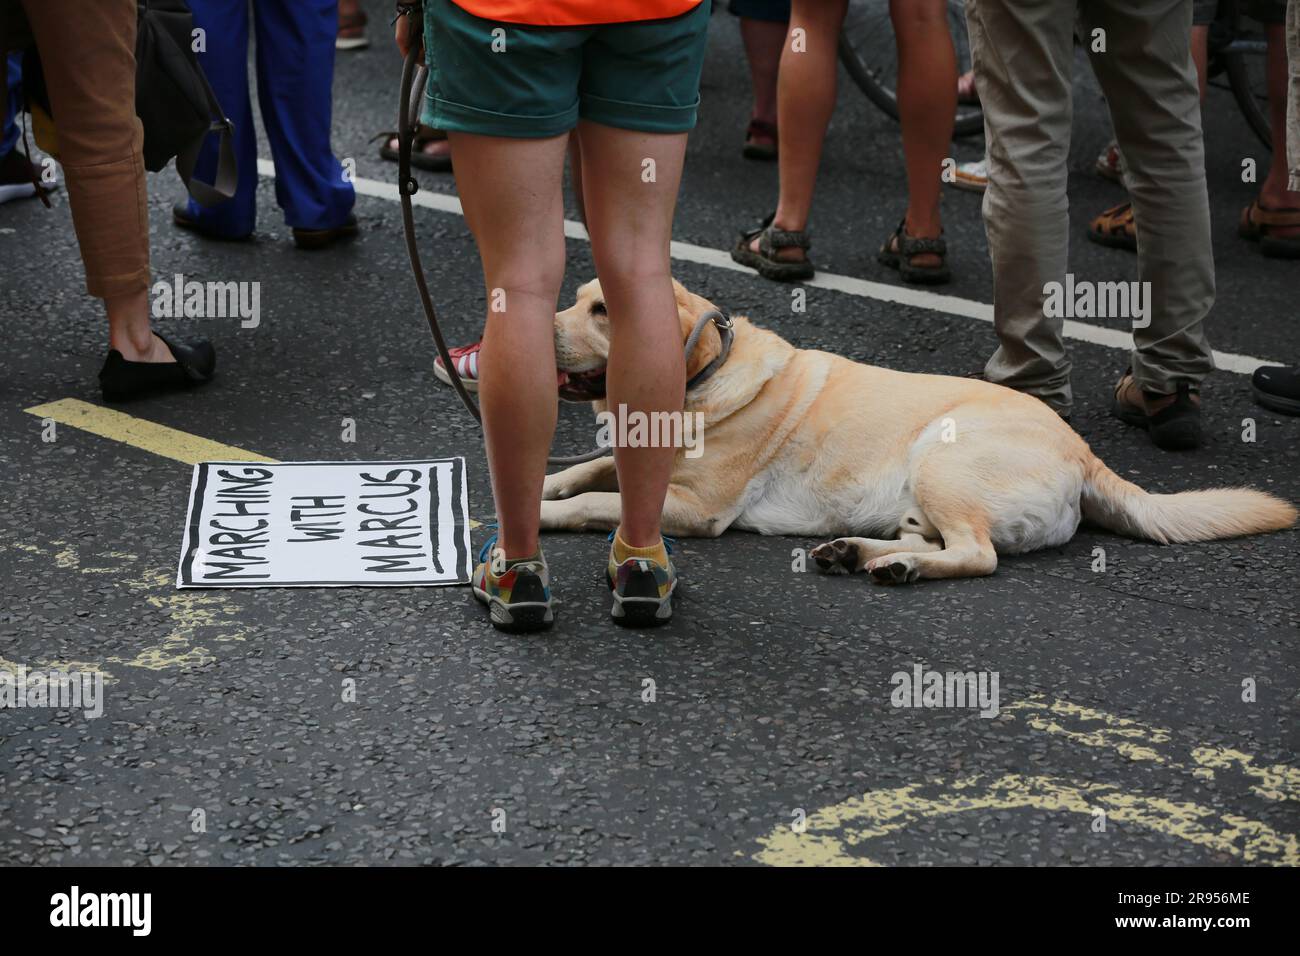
x,y
1122,506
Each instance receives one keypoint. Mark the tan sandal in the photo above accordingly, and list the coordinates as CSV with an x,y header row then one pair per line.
x,y
1115,227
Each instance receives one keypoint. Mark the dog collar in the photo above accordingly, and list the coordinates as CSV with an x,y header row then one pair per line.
x,y
726,333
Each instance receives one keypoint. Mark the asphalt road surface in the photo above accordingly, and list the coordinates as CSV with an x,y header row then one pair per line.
x,y
1127,731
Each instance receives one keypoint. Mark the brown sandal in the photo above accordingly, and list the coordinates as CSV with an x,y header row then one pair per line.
x,y
1115,227
766,260
900,248
1258,223
759,150
424,135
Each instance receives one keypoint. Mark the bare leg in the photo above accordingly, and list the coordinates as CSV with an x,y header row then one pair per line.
x,y
764,41
1201,55
510,190
129,331
927,105
630,220
805,101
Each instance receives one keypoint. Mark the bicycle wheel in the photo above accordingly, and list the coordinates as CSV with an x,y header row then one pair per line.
x,y
869,55
1244,59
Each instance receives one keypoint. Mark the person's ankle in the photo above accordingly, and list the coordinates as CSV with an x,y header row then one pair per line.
x,y
137,347
1273,194
923,226
788,222
651,546
519,550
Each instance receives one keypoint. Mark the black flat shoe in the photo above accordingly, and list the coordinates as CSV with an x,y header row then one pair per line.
x,y
181,216
1278,388
121,380
320,238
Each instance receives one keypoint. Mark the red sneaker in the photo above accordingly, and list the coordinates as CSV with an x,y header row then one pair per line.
x,y
466,359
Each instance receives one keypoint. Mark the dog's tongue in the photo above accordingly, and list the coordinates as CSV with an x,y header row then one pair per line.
x,y
561,379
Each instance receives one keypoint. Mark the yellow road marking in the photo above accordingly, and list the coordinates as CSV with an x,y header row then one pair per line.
x,y
839,834
1137,741
139,433
195,615
830,835
150,436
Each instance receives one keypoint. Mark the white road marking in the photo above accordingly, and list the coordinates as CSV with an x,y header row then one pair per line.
x,y
849,285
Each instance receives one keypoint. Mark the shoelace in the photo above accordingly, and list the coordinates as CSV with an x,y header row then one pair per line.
x,y
485,552
487,545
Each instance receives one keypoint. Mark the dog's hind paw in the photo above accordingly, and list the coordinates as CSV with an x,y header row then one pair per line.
x,y
893,569
838,556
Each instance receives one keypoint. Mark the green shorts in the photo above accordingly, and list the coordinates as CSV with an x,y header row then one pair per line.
x,y
532,82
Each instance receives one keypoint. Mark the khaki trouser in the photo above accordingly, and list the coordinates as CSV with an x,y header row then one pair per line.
x,y
1293,93
87,52
1023,54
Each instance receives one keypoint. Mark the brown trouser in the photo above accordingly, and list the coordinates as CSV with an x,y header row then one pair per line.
x,y
87,52
1023,51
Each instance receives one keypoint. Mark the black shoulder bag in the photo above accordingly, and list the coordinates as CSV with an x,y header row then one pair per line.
x,y
175,102
173,99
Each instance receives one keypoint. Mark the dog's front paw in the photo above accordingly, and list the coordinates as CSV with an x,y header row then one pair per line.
x,y
555,488
894,569
836,557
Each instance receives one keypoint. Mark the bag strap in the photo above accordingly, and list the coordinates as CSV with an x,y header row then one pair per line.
x,y
226,179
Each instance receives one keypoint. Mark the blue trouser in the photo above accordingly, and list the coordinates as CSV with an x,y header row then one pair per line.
x,y
295,73
13,85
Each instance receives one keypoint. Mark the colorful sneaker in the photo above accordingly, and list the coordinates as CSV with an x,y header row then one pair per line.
x,y
465,358
519,598
643,588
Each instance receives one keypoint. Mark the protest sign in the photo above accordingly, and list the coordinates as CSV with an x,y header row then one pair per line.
x,y
326,524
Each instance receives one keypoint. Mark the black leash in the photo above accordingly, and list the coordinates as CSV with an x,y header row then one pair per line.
x,y
414,75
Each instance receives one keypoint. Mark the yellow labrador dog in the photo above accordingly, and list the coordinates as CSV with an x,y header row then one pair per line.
x,y
939,475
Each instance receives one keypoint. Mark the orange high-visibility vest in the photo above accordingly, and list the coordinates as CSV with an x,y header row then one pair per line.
x,y
569,13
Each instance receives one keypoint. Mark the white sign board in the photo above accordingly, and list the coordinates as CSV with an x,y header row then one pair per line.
x,y
326,524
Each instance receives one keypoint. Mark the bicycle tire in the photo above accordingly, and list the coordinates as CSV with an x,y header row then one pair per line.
x,y
969,121
1236,67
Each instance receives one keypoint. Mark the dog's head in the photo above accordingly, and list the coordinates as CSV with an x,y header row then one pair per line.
x,y
582,340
